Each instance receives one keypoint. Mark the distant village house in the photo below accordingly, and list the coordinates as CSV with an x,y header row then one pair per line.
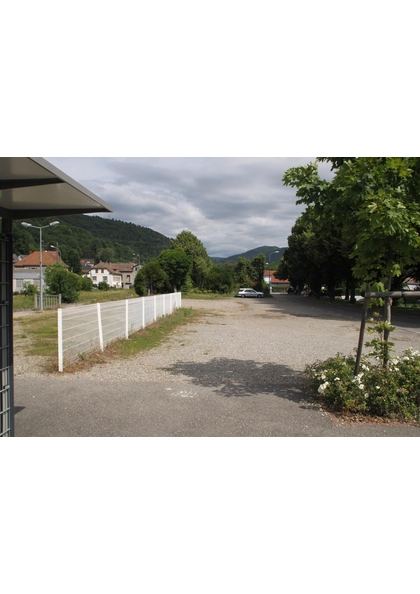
x,y
26,268
118,276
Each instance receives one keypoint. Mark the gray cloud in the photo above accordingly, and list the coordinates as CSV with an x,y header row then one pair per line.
x,y
231,204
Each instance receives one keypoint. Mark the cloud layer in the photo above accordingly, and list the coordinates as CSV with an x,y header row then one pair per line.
x,y
231,204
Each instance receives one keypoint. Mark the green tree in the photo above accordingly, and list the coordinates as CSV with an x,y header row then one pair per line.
x,y
177,265
106,255
243,272
86,284
71,257
379,196
257,271
61,282
194,248
219,279
372,204
299,263
151,279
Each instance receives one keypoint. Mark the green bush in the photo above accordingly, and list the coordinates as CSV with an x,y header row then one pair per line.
x,y
392,391
103,286
61,282
385,386
29,290
219,280
86,284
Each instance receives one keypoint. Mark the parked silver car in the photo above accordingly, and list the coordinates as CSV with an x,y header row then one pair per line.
x,y
249,293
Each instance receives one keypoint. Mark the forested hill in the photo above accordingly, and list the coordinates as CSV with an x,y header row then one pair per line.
x,y
93,237
83,236
251,254
144,241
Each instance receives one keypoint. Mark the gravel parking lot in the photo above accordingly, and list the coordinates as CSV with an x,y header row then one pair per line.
x,y
237,371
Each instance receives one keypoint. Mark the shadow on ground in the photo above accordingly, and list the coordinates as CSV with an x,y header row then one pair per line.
x,y
237,378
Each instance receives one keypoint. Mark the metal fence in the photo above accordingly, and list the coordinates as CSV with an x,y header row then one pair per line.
x,y
90,328
6,339
49,301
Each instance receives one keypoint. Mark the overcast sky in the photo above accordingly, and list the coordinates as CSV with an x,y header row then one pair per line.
x,y
231,204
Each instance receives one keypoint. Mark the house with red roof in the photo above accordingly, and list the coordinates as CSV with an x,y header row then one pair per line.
x,y
269,278
26,270
104,272
119,275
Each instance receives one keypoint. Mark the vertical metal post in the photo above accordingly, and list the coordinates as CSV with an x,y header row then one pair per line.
x,y
7,411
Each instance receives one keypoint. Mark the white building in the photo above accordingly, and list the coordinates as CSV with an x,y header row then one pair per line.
x,y
103,272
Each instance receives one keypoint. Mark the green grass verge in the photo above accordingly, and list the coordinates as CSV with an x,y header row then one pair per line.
x,y
20,302
41,330
89,297
153,335
207,296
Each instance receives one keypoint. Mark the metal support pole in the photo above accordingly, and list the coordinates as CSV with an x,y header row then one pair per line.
x,y
7,422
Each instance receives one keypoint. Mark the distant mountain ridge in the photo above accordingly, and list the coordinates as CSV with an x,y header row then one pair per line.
x,y
251,254
89,234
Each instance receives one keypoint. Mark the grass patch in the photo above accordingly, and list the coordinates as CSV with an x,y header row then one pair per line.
x,y
153,335
207,296
89,297
23,302
85,298
143,340
41,329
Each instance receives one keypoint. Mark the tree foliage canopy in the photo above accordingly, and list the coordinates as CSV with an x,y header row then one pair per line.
x,y
60,281
194,248
90,236
177,265
151,279
364,223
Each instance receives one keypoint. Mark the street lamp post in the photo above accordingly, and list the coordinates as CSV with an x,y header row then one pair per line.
x,y
58,249
269,269
41,287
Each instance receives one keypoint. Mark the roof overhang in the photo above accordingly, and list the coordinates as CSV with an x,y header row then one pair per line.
x,y
32,187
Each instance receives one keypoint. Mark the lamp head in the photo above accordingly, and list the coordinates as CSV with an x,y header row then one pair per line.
x,y
26,225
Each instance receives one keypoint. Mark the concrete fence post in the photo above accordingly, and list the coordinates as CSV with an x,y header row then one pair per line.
x,y
100,331
126,319
60,340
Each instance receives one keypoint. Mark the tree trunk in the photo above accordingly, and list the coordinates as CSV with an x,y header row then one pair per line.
x,y
362,331
388,316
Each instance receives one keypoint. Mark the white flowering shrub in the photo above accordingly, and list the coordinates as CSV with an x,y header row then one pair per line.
x,y
392,391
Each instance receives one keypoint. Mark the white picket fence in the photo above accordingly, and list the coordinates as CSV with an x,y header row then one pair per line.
x,y
90,328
